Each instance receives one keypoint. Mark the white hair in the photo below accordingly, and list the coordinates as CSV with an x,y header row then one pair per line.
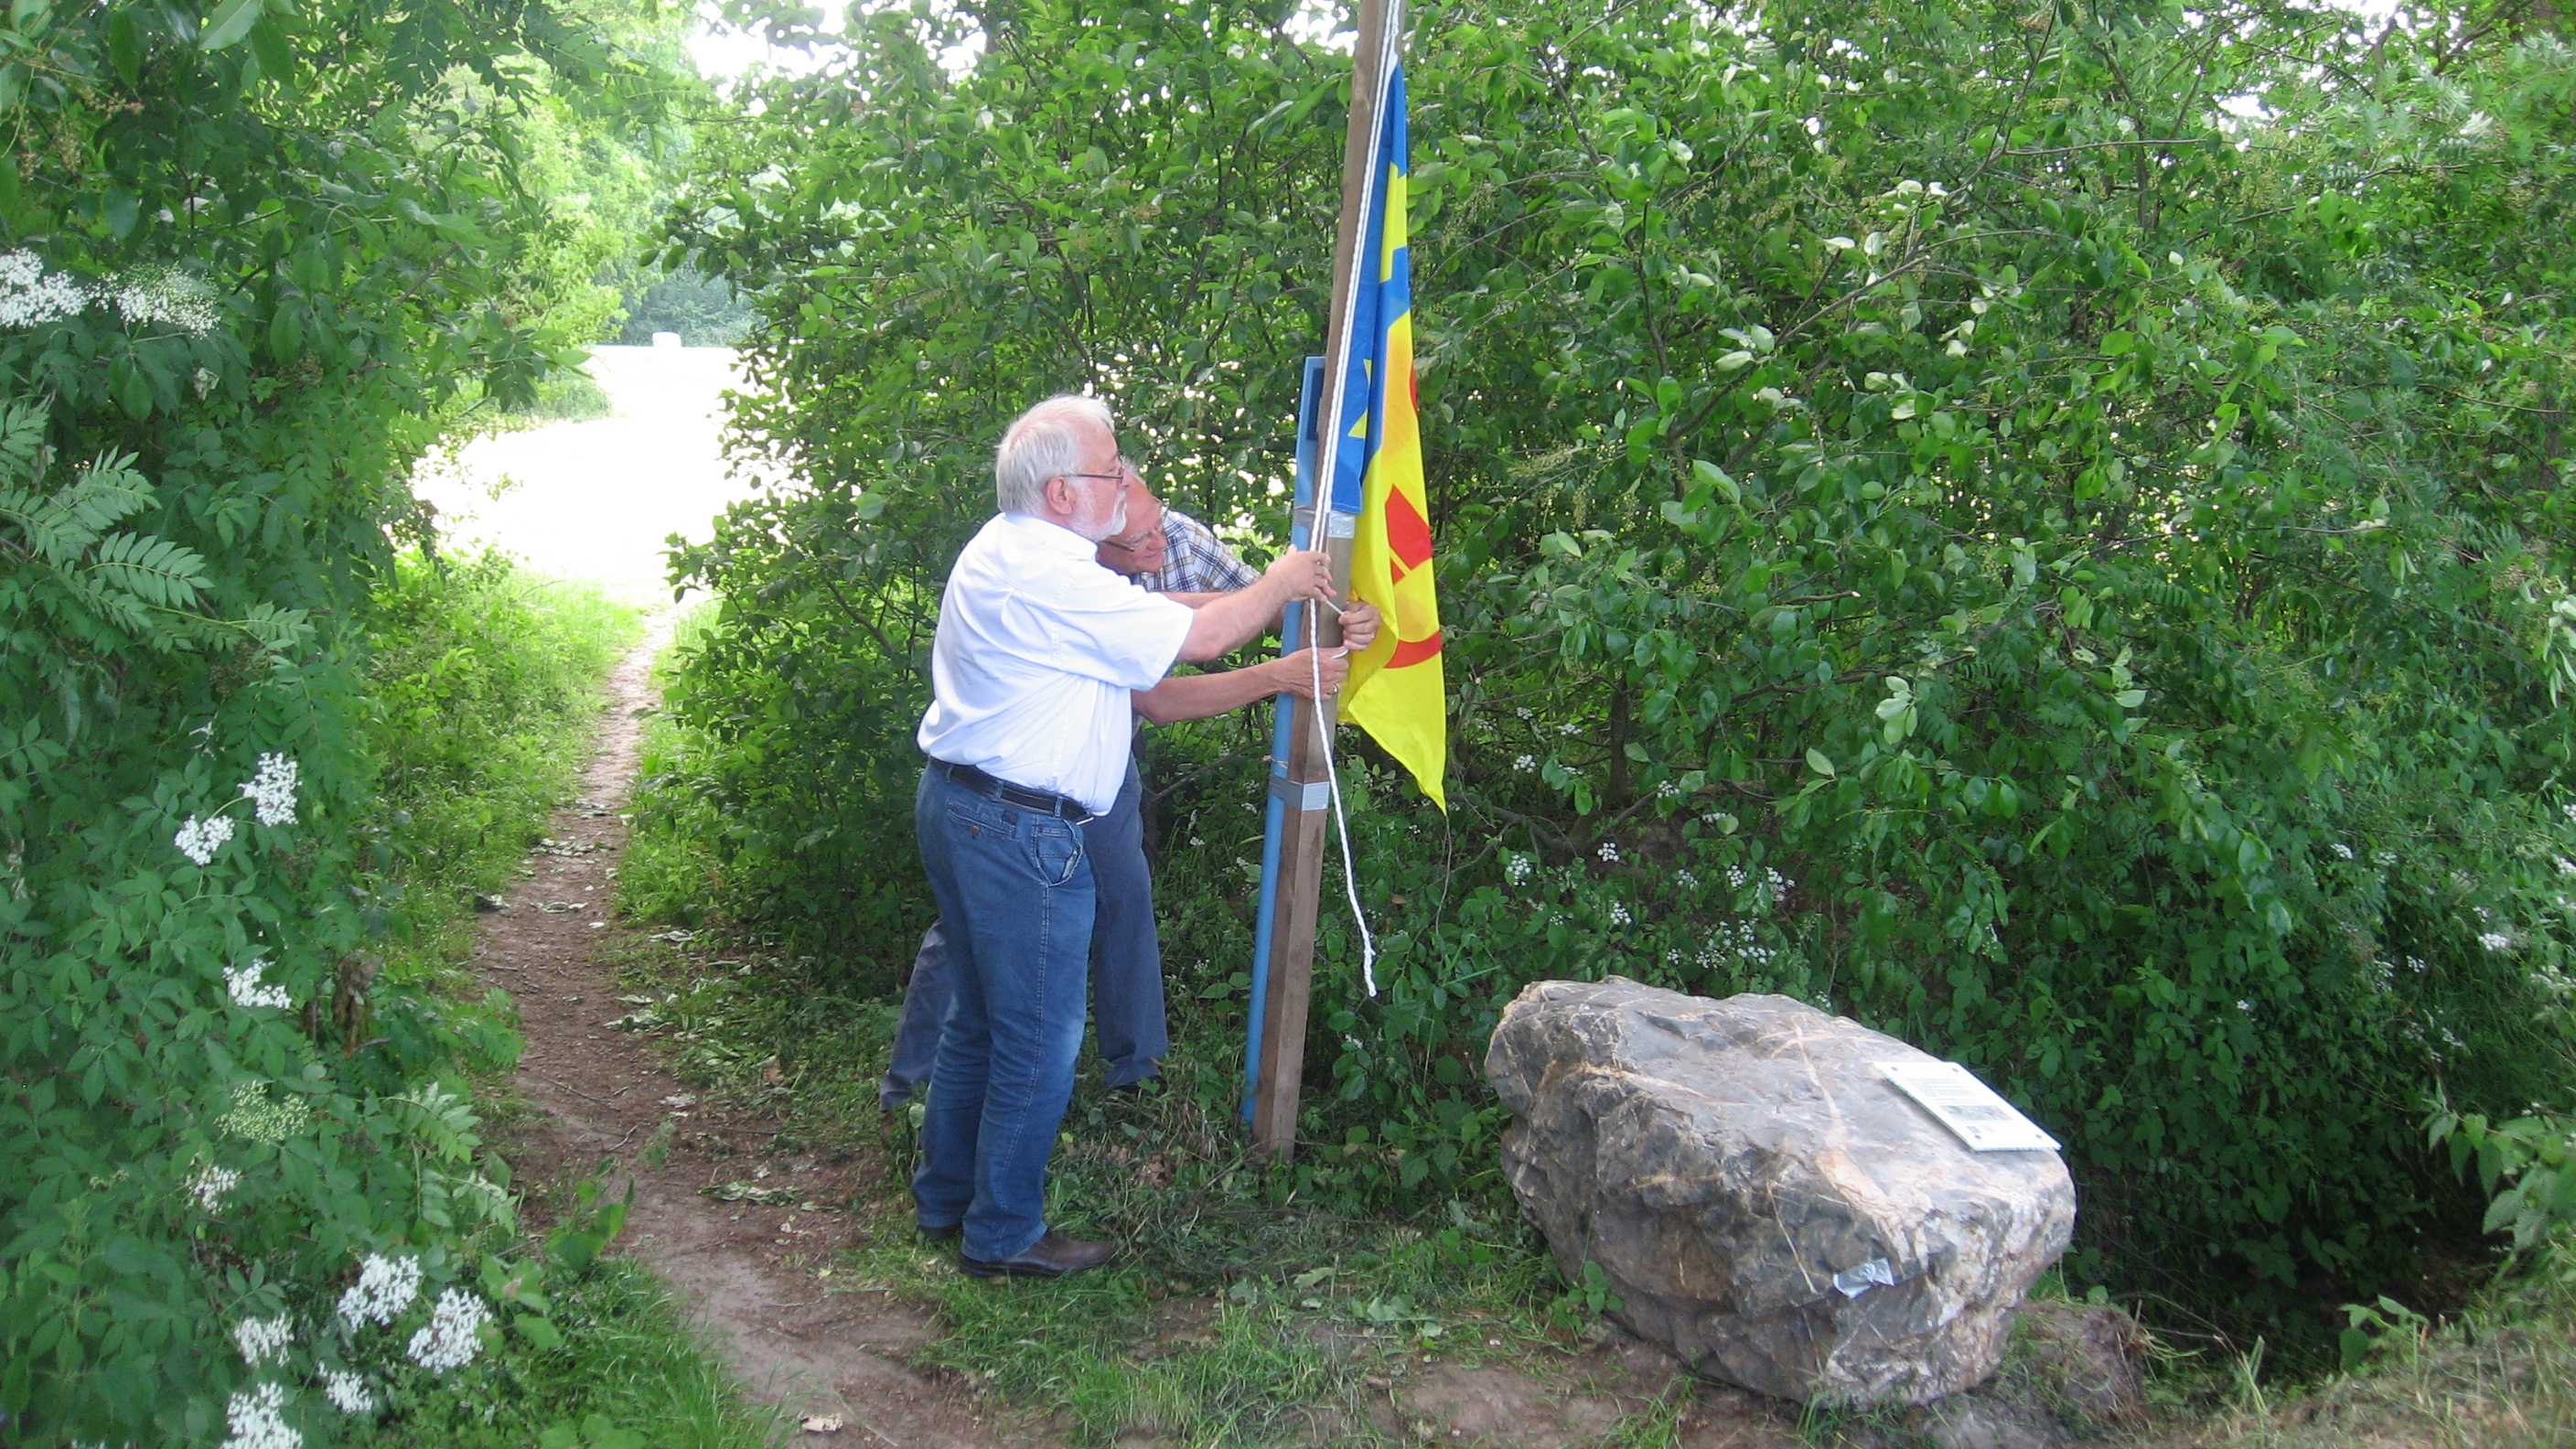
x,y
1044,442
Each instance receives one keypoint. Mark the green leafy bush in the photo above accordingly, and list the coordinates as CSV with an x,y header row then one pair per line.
x,y
248,253
1937,517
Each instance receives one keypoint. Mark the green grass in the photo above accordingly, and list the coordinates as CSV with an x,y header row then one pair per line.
x,y
486,681
627,1360
2501,1376
1234,1316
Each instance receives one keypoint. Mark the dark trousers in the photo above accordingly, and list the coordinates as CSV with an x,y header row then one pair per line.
x,y
1126,965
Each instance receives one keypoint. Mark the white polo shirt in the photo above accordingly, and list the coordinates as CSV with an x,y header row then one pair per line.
x,y
1038,649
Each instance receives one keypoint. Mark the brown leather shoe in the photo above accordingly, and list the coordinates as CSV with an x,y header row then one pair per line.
x,y
1052,1256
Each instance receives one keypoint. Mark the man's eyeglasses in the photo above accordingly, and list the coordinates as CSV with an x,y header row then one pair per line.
x,y
1126,469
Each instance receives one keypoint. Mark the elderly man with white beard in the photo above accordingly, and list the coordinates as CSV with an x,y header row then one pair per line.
x,y
1038,654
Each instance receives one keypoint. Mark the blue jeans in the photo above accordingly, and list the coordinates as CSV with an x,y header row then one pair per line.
x,y
1126,965
1015,899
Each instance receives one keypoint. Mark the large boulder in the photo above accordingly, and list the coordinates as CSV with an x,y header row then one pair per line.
x,y
1766,1205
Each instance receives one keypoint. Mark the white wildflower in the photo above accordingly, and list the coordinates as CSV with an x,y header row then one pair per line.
x,y
165,295
2495,940
1689,880
1667,790
212,1186
1570,727
453,1335
263,1339
2570,808
1609,852
1516,869
1673,957
2383,857
385,1287
30,295
347,1392
246,989
254,1116
1618,914
200,839
2565,866
272,791
1525,763
2341,850
2244,1006
1524,711
257,1421
1780,884
1736,877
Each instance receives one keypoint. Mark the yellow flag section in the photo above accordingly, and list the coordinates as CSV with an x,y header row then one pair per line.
x,y
1396,690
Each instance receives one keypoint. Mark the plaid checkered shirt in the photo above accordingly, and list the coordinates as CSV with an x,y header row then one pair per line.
x,y
1197,562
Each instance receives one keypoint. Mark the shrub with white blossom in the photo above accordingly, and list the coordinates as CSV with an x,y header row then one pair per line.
x,y
262,1340
200,838
385,1287
244,985
257,1419
454,1333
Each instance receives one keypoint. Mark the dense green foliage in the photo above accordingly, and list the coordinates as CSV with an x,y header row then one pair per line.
x,y
1938,515
248,252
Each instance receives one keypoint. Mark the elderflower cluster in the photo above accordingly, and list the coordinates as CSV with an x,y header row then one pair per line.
x,y
212,1186
2495,940
2341,850
272,791
258,1421
1668,790
1619,914
263,1339
200,839
1525,763
1516,869
2565,866
244,984
347,1392
254,1116
385,1287
165,295
454,1332
30,295
1609,852
1734,941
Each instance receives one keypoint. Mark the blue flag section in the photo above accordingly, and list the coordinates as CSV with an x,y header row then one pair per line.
x,y
1381,296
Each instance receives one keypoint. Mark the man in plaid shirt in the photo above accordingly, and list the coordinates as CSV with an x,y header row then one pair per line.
x,y
1167,552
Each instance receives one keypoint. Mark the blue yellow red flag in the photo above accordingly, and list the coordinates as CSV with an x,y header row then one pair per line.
x,y
1396,691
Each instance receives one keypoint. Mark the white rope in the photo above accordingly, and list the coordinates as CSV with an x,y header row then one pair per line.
x,y
1333,783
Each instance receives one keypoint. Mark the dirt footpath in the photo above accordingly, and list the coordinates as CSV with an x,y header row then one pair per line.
x,y
744,1271
744,1234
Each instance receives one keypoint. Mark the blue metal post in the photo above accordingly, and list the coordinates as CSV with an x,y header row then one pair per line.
x,y
1274,816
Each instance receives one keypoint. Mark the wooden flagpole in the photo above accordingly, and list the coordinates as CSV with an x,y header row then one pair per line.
x,y
1279,1077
